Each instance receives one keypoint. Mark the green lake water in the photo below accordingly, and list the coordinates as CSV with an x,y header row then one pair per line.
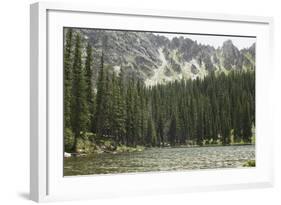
x,y
160,159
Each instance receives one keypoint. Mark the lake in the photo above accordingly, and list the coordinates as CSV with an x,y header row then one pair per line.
x,y
160,159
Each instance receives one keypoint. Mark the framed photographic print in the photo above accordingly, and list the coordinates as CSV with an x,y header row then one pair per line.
x,y
127,102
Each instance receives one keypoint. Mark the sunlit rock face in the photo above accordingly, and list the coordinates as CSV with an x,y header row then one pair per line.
x,y
156,59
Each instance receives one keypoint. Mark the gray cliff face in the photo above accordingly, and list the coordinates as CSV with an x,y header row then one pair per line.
x,y
156,59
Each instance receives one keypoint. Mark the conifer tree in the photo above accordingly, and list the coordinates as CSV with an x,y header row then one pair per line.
x,y
137,113
103,102
79,108
200,123
118,110
151,134
173,130
160,130
107,105
68,135
67,76
89,85
122,106
130,114
99,117
247,124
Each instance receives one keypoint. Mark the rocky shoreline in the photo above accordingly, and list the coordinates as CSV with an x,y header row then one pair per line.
x,y
103,149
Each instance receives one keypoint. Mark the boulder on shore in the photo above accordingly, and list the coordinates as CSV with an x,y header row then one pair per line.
x,y
66,154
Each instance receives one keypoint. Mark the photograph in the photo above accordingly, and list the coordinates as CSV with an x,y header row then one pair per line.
x,y
150,101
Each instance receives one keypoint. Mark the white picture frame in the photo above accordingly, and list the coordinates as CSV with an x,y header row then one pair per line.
x,y
46,179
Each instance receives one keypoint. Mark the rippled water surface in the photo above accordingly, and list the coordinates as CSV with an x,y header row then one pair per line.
x,y
161,159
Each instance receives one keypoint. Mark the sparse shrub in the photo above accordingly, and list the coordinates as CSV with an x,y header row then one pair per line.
x,y
250,163
85,146
68,140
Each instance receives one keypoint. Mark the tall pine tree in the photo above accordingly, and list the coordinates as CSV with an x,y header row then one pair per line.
x,y
68,52
79,108
89,85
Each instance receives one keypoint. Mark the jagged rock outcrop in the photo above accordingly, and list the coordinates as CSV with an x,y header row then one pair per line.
x,y
156,59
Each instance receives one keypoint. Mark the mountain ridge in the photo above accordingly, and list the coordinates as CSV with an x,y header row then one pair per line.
x,y
156,59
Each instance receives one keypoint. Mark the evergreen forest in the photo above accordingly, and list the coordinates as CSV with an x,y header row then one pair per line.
x,y
218,109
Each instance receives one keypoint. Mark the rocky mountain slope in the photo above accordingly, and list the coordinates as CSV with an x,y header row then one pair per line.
x,y
156,59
